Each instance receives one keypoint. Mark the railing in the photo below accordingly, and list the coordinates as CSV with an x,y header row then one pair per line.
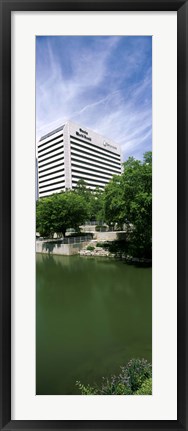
x,y
93,223
77,239
71,240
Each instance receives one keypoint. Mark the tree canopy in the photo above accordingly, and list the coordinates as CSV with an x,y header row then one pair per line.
x,y
59,212
128,199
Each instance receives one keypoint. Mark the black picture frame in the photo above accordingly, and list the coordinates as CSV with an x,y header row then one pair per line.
x,y
6,7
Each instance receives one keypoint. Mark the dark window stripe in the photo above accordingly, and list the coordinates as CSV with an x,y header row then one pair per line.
x,y
96,151
52,173
52,167
94,155
50,190
92,145
92,164
50,140
89,185
50,157
50,146
50,179
95,170
89,179
49,163
53,184
93,175
86,155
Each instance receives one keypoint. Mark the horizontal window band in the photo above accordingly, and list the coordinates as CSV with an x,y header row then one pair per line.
x,y
92,145
47,158
50,146
50,185
51,190
95,170
95,165
95,149
93,175
76,178
91,186
101,179
51,179
49,163
90,179
48,169
95,155
51,173
96,159
50,140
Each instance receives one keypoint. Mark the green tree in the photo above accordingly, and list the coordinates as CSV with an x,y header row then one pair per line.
x,y
44,211
128,199
137,189
96,204
82,189
93,199
114,207
59,212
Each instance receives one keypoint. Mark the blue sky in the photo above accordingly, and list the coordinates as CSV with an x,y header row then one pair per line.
x,y
101,82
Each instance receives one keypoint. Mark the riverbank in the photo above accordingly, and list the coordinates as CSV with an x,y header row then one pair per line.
x,y
98,250
91,250
110,249
55,247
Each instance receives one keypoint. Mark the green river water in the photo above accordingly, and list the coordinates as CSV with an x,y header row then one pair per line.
x,y
92,316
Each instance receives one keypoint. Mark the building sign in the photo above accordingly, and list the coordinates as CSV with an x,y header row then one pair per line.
x,y
83,134
108,145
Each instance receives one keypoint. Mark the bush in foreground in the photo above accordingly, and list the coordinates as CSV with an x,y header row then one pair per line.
x,y
135,379
146,388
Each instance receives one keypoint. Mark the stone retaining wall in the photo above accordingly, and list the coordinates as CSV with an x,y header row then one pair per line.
x,y
50,247
109,236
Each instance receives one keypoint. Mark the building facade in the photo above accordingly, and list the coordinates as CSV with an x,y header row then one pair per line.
x,y
72,153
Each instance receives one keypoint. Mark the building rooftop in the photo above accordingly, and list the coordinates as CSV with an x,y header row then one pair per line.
x,y
52,133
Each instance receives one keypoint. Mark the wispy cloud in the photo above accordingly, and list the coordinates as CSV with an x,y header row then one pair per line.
x,y
103,83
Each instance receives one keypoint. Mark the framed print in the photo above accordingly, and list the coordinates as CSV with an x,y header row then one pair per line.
x,y
93,214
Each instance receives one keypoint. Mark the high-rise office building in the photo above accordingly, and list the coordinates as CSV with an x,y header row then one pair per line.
x,y
72,153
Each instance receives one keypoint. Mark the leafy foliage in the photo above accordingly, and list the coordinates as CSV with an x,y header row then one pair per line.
x,y
134,379
128,200
60,212
146,388
86,390
135,373
90,248
94,200
114,207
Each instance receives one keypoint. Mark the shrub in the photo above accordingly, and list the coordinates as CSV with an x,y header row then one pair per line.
x,y
90,247
118,247
103,245
100,244
146,388
86,390
135,373
113,386
134,379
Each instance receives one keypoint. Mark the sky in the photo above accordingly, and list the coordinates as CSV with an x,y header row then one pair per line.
x,y
100,82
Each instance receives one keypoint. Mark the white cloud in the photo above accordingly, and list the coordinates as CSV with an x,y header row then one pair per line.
x,y
84,97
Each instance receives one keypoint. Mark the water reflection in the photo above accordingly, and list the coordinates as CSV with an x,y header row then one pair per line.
x,y
92,316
